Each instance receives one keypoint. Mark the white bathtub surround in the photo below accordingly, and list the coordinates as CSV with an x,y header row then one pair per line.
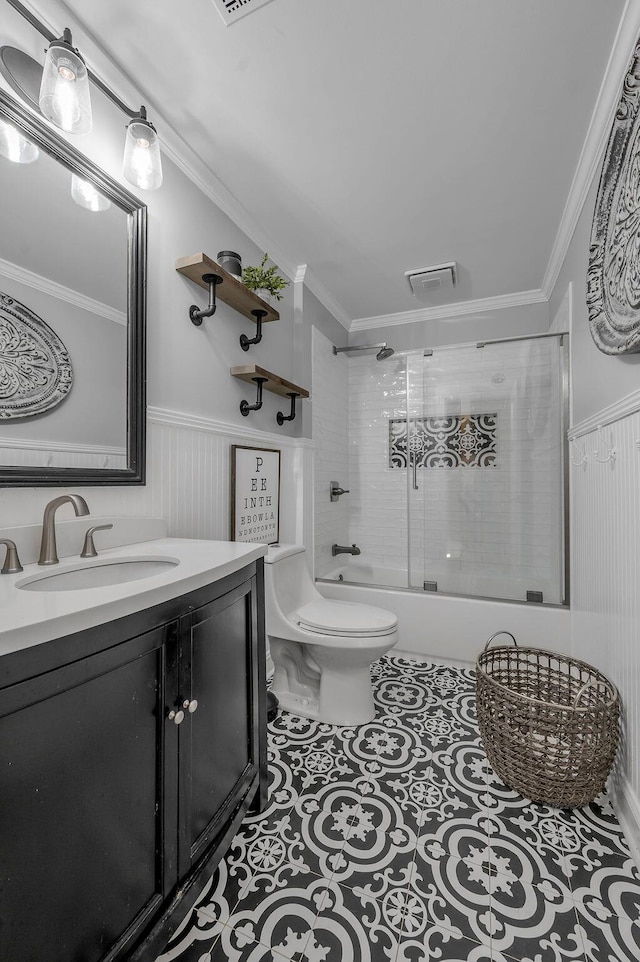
x,y
330,433
606,572
438,626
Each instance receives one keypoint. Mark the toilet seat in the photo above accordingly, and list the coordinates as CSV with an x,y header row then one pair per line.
x,y
345,618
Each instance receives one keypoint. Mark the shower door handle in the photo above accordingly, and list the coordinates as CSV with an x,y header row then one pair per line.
x,y
415,472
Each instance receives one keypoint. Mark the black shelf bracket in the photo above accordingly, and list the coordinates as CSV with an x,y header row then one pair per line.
x,y
246,342
195,314
280,418
245,407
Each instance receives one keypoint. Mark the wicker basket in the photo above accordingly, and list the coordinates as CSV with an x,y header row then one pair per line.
x,y
549,723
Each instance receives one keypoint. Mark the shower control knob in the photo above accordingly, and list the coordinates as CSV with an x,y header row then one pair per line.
x,y
177,717
335,490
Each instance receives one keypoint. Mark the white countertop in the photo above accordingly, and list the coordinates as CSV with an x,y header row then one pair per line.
x,y
29,618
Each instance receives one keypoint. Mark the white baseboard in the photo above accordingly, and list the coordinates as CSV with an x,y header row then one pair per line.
x,y
628,811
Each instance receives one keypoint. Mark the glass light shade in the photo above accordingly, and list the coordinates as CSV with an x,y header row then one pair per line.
x,y
15,147
64,92
142,165
87,196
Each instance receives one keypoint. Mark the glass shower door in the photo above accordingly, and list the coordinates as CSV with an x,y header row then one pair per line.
x,y
485,487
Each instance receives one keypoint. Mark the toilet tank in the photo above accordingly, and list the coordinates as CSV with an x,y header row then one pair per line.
x,y
288,584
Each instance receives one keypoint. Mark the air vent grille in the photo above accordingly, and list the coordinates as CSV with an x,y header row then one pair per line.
x,y
232,10
431,280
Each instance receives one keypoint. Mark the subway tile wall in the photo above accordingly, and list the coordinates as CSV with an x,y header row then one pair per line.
x,y
330,419
474,530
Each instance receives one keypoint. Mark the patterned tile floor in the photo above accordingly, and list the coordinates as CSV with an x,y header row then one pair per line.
x,y
396,842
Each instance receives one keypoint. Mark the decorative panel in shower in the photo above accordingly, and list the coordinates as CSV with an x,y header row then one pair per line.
x,y
458,441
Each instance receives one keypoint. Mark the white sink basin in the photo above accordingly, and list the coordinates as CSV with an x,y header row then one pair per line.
x,y
112,572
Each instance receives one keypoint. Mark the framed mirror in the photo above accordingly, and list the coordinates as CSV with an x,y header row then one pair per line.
x,y
72,313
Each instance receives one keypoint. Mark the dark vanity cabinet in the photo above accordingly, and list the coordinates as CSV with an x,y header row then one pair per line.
x,y
129,754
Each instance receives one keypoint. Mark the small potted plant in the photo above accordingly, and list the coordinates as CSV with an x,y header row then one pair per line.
x,y
265,281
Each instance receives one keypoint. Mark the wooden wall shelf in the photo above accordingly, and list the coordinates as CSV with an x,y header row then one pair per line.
x,y
273,382
231,291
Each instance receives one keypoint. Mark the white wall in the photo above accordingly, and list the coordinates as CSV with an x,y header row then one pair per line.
x,y
188,367
605,544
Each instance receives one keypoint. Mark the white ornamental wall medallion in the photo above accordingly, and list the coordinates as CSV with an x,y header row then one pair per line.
x,y
613,277
35,369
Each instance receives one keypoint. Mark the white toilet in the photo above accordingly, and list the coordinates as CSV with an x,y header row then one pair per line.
x,y
322,650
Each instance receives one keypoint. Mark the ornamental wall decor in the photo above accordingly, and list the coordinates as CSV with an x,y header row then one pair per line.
x,y
613,277
457,441
35,369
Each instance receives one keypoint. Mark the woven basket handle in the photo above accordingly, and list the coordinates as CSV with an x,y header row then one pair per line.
x,y
495,635
590,684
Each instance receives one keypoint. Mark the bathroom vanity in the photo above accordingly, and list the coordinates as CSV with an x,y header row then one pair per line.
x,y
131,745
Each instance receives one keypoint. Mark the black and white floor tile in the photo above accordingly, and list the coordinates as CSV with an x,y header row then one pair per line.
x,y
396,842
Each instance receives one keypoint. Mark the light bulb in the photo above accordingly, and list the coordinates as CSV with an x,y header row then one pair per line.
x,y
87,196
142,165
15,147
64,91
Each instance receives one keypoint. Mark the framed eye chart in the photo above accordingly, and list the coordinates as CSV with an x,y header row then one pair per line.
x,y
255,494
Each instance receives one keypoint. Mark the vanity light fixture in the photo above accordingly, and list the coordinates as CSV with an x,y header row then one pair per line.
x,y
64,90
142,165
60,91
86,195
15,147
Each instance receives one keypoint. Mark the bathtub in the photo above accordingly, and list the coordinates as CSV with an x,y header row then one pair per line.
x,y
441,626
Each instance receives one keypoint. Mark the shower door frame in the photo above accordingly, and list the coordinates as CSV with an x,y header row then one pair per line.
x,y
565,566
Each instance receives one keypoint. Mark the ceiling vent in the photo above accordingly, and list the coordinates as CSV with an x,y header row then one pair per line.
x,y
431,280
232,10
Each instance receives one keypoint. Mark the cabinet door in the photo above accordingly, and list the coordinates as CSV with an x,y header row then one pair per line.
x,y
82,795
219,741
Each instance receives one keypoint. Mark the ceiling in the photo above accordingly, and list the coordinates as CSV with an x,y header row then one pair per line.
x,y
371,137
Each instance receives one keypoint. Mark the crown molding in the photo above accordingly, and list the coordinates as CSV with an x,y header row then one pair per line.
x,y
39,283
459,309
195,169
326,298
596,139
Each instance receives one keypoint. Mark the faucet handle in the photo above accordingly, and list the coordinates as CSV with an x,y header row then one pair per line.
x,y
11,564
335,491
89,548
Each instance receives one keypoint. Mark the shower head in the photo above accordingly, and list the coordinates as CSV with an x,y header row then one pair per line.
x,y
384,353
382,350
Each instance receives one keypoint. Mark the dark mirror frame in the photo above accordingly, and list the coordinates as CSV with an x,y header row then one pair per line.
x,y
47,140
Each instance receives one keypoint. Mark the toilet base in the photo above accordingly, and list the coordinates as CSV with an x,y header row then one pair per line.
x,y
338,695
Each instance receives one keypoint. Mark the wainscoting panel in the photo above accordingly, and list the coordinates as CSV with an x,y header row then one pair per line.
x,y
188,481
605,573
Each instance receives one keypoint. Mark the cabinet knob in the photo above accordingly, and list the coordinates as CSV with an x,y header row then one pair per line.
x,y
191,706
177,717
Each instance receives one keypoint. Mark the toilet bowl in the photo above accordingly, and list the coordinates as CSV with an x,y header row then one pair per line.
x,y
322,650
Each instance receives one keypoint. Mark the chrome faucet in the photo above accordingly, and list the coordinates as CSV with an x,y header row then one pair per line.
x,y
48,550
342,549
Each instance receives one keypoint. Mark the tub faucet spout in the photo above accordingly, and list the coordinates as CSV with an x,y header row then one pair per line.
x,y
344,549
